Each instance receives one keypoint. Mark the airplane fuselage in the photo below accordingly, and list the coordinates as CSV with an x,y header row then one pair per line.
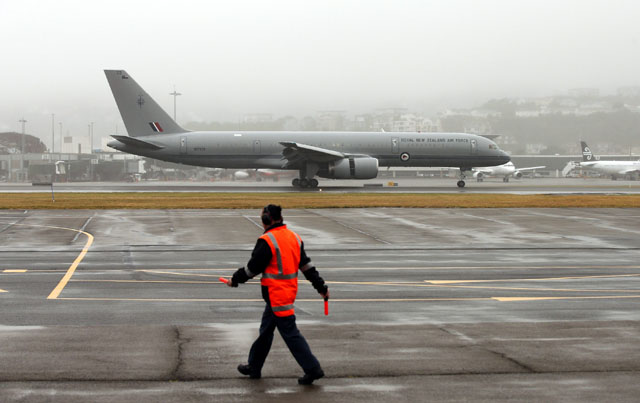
x,y
249,150
611,167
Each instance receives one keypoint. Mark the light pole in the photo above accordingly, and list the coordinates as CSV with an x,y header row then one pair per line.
x,y
53,115
23,121
91,150
175,96
60,123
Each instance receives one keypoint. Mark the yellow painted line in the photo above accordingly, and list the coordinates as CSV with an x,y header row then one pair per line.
x,y
179,274
519,299
439,282
14,271
56,291
1,290
148,281
161,299
187,269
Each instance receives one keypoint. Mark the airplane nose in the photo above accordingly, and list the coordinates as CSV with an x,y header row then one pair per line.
x,y
505,157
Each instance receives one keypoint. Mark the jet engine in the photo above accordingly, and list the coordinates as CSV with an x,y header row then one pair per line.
x,y
351,168
478,175
517,174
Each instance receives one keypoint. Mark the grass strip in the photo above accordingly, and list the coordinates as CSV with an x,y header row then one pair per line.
x,y
207,200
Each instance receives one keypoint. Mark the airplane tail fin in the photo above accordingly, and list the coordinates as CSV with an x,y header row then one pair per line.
x,y
142,115
587,155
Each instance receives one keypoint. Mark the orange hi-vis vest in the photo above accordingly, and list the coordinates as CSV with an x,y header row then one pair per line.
x,y
281,275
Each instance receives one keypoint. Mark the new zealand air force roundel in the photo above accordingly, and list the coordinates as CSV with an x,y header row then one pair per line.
x,y
405,157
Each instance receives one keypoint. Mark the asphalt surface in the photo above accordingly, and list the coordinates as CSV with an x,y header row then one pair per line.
x,y
427,304
379,185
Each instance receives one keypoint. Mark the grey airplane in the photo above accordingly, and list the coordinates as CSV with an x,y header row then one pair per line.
x,y
333,155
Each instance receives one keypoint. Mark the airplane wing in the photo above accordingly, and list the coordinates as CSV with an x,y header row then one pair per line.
x,y
628,171
530,168
297,152
486,171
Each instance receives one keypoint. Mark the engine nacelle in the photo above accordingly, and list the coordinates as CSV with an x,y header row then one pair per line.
x,y
517,174
478,175
351,168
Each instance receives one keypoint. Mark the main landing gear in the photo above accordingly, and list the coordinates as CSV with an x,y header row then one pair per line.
x,y
462,177
306,180
305,183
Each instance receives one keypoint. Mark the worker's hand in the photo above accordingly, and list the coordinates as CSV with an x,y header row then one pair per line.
x,y
230,283
325,295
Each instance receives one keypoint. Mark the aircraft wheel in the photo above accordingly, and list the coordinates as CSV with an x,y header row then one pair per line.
x,y
313,183
295,182
461,184
505,179
304,183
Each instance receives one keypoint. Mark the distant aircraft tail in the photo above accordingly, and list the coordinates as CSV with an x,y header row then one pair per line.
x,y
142,116
587,155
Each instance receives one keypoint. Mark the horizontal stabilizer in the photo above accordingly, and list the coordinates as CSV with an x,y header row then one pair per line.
x,y
134,142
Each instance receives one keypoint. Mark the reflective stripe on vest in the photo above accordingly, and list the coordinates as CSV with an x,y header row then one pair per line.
x,y
282,308
280,275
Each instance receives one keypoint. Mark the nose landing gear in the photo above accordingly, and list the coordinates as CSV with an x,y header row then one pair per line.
x,y
462,177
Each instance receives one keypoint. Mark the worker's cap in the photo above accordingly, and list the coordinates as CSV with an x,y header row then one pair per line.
x,y
273,211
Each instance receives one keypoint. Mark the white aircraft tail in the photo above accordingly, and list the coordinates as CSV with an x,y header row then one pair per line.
x,y
142,115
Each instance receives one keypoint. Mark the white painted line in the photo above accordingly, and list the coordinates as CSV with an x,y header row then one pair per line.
x,y
520,299
441,282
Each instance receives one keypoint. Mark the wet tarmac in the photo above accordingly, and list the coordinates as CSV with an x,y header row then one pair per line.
x,y
427,304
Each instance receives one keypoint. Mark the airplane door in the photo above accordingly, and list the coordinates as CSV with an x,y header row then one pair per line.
x,y
183,145
395,146
474,147
256,146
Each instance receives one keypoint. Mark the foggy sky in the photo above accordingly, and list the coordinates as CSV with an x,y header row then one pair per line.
x,y
229,58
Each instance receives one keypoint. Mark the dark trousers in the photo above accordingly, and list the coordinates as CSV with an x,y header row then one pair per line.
x,y
291,336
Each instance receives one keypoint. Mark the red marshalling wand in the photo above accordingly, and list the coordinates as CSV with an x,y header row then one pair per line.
x,y
224,280
326,306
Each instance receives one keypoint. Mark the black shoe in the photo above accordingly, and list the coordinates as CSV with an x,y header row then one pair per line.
x,y
247,370
307,379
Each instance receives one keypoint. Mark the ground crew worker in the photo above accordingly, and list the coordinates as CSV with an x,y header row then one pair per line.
x,y
278,255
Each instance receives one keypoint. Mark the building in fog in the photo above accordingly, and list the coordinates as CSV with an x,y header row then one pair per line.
x,y
584,92
629,92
